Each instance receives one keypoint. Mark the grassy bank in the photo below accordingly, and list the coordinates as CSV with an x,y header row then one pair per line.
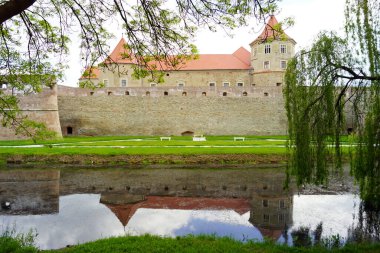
x,y
181,244
147,149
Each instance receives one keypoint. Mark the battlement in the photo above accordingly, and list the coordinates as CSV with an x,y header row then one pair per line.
x,y
237,92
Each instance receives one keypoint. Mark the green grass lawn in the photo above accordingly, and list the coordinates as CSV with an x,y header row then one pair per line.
x,y
146,145
200,243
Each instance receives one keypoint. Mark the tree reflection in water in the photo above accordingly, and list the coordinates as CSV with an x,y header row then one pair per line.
x,y
367,228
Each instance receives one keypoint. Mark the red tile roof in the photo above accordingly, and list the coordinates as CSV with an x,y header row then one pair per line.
x,y
240,59
121,54
90,73
271,31
125,212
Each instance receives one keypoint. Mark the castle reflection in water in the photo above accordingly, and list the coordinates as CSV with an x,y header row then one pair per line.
x,y
258,191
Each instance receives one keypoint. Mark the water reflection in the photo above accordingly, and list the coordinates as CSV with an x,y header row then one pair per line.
x,y
29,192
75,206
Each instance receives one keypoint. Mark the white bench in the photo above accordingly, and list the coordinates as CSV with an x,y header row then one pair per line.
x,y
239,138
199,138
166,138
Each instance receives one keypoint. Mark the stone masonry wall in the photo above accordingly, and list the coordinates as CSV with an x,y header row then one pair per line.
x,y
40,107
258,111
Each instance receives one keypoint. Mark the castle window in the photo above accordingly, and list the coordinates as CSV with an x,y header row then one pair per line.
x,y
167,74
266,65
239,84
283,64
184,93
109,93
153,84
123,82
283,49
266,94
266,217
226,84
265,203
253,84
245,94
204,93
69,130
105,82
127,93
147,93
281,204
166,93
224,94
180,84
267,49
211,84
91,93
278,84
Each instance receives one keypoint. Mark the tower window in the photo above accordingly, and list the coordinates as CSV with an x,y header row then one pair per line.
x,y
69,130
266,65
184,93
105,82
239,84
245,94
211,84
226,84
166,93
283,64
109,93
91,93
147,93
266,94
180,84
127,93
265,203
153,84
204,94
267,49
224,94
283,49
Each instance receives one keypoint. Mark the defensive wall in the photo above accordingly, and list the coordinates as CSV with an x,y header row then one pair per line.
x,y
40,107
172,111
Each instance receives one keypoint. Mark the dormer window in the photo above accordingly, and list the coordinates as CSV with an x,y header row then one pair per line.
x,y
267,49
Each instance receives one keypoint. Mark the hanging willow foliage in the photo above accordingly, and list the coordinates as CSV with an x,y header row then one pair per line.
x,y
333,78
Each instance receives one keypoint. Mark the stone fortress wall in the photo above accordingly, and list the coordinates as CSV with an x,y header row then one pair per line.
x,y
40,107
172,111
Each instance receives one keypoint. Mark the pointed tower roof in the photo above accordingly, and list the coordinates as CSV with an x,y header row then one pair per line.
x,y
272,31
121,54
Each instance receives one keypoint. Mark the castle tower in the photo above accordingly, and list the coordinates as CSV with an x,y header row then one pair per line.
x,y
270,53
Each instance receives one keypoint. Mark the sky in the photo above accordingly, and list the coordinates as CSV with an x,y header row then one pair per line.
x,y
311,17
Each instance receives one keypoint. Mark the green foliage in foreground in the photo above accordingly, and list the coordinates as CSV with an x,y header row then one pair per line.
x,y
201,243
190,243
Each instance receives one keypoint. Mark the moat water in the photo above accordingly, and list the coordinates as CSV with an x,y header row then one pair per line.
x,y
71,206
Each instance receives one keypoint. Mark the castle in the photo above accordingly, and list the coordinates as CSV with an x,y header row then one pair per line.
x,y
220,94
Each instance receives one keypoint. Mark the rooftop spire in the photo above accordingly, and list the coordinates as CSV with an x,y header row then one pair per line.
x,y
272,31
